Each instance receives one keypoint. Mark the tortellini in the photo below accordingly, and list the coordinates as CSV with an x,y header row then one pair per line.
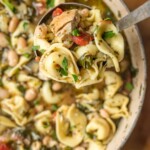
x,y
58,64
70,125
112,84
117,106
103,129
42,122
31,81
6,123
17,108
112,47
57,57
90,100
4,21
48,96
11,86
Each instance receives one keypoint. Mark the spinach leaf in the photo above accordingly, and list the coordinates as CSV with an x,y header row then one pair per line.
x,y
8,4
85,61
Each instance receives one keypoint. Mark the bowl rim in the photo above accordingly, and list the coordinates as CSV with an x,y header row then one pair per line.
x,y
142,99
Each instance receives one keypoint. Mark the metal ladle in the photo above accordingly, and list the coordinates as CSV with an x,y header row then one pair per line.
x,y
139,14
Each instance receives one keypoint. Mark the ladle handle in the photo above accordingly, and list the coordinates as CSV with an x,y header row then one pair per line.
x,y
139,14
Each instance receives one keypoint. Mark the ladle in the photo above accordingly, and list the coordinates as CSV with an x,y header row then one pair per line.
x,y
139,14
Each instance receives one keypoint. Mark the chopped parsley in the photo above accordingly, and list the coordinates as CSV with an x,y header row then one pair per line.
x,y
25,25
35,48
50,3
21,88
54,107
8,4
129,86
75,77
75,32
107,19
46,124
36,102
27,55
42,51
64,69
108,35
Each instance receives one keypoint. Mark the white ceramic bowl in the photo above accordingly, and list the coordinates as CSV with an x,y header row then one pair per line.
x,y
138,60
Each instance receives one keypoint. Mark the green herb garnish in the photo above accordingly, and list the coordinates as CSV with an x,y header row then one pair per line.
x,y
46,124
85,61
75,32
108,35
50,3
42,51
35,48
8,4
129,86
36,102
91,136
54,107
27,55
64,69
21,88
25,25
75,77
107,19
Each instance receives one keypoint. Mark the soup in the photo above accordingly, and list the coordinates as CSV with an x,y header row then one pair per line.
x,y
39,113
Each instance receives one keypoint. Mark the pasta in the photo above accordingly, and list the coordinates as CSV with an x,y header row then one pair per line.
x,y
117,106
16,107
61,87
70,118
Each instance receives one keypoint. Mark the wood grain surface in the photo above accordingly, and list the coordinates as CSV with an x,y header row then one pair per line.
x,y
140,137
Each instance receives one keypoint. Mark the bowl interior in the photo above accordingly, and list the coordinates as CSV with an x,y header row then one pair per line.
x,y
138,61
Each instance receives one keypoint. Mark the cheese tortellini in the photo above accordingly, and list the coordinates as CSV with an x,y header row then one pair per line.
x,y
102,128
112,47
117,106
70,125
54,61
90,101
17,108
42,122
113,82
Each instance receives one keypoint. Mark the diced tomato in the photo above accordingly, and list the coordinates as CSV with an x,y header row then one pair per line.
x,y
83,39
57,12
4,147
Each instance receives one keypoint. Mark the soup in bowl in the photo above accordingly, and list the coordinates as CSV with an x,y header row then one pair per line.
x,y
85,87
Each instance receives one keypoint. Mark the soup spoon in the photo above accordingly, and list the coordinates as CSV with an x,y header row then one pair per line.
x,y
139,14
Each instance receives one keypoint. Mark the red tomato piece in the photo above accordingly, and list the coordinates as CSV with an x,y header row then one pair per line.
x,y
83,39
57,12
4,147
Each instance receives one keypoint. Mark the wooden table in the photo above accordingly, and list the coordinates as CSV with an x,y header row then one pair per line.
x,y
140,138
